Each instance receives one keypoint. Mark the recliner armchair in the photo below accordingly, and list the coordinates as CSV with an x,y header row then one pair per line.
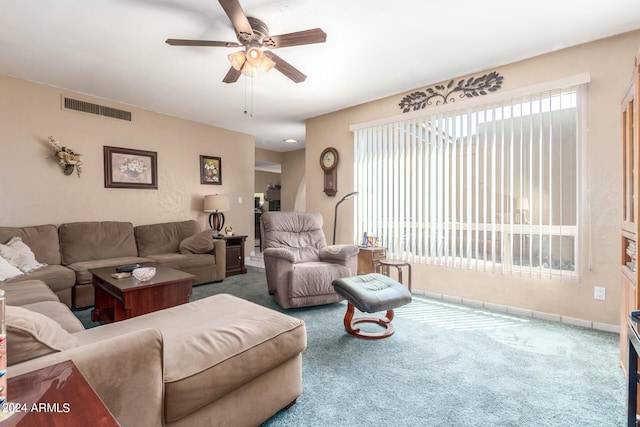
x,y
300,266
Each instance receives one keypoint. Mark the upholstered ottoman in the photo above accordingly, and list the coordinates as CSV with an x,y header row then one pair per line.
x,y
371,293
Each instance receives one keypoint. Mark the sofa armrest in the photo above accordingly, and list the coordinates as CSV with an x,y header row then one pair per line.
x,y
278,263
126,372
220,252
280,253
338,253
346,255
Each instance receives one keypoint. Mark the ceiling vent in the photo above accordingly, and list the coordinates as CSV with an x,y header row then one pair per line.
x,y
100,110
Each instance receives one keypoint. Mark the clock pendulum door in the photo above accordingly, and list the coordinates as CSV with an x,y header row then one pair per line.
x,y
330,182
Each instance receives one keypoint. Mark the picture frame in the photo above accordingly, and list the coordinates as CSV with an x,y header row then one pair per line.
x,y
371,242
130,168
210,170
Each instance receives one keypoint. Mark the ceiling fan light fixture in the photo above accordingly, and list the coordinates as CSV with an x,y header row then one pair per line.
x,y
267,64
254,56
248,70
237,60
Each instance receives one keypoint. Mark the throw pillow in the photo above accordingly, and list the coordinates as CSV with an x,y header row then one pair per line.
x,y
31,335
20,255
7,271
201,243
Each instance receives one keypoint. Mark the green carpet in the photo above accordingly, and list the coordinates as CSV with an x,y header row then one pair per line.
x,y
446,365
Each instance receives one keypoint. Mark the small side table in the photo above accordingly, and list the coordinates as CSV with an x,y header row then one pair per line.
x,y
235,254
368,258
58,395
384,264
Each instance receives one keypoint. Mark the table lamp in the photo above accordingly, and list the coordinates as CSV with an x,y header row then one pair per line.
x,y
216,204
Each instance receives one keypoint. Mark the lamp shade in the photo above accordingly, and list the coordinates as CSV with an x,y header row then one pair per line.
x,y
216,203
267,64
522,204
254,56
237,60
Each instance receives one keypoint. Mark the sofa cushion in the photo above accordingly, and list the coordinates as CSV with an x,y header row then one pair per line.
x,y
229,342
58,312
31,335
20,255
184,262
83,275
57,277
27,292
315,278
299,232
42,239
163,238
8,271
87,241
201,243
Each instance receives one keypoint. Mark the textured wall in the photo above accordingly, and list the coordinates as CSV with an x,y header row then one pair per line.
x,y
34,191
293,173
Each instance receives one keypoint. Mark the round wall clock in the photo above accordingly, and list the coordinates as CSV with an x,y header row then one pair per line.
x,y
329,159
329,164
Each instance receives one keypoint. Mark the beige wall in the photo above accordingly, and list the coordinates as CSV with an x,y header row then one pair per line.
x,y
293,174
610,63
263,179
268,155
34,191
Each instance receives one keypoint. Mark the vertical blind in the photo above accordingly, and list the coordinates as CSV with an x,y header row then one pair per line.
x,y
492,187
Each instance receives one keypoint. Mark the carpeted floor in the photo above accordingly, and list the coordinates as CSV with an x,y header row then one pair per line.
x,y
446,365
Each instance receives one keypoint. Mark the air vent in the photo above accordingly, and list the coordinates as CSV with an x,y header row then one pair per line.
x,y
100,110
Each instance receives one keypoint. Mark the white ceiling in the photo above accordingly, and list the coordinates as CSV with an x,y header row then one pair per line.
x,y
115,49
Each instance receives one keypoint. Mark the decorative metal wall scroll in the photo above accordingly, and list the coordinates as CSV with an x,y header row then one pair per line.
x,y
472,87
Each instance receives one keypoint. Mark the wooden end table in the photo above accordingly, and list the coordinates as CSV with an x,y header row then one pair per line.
x,y
58,395
368,258
119,299
235,254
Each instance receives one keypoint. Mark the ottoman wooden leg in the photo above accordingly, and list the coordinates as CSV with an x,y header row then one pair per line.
x,y
385,322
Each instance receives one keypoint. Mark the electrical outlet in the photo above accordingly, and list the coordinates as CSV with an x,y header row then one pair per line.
x,y
599,293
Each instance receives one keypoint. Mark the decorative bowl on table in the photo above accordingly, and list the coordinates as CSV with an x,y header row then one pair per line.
x,y
144,273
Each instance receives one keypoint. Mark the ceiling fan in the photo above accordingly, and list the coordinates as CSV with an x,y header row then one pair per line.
x,y
253,35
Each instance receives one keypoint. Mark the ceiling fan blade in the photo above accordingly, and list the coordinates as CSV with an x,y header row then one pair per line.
x,y
183,42
285,68
235,13
315,35
232,76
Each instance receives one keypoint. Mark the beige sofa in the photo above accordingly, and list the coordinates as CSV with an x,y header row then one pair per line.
x,y
218,361
72,249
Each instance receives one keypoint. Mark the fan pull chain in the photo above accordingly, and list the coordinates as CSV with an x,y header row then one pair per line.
x,y
250,113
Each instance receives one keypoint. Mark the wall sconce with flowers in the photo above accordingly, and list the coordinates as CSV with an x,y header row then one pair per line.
x,y
67,157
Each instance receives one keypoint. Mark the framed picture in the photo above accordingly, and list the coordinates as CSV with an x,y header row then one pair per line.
x,y
210,170
371,242
128,168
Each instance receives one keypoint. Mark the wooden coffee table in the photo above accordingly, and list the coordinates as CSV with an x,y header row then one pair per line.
x,y
119,299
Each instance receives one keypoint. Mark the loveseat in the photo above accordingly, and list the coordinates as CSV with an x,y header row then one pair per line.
x,y
218,361
72,249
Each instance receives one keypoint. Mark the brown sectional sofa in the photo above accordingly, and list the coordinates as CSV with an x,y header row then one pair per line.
x,y
72,249
218,361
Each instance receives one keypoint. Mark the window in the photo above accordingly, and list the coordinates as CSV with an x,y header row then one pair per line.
x,y
490,187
